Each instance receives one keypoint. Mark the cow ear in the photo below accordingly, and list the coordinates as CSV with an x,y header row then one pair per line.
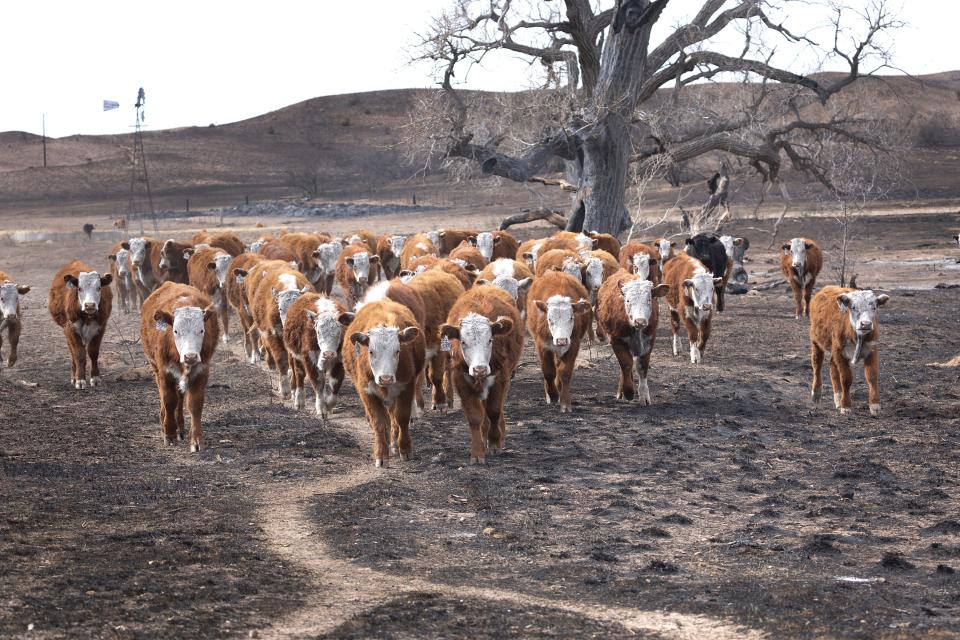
x,y
349,261
808,245
472,240
541,305
162,320
882,299
406,273
581,306
449,332
717,282
844,301
71,282
374,259
316,253
785,247
497,239
305,288
409,333
359,337
294,264
673,244
106,279
688,283
620,286
689,241
442,233
527,256
112,257
661,290
24,289
502,325
125,245
482,281
346,318
187,253
212,266
523,284
208,312
737,242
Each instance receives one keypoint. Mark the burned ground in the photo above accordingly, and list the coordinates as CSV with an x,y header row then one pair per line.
x,y
729,508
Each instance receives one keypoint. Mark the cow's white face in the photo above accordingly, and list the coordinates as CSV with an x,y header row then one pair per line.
x,y
727,242
798,254
510,284
221,266
255,246
360,264
285,300
326,255
434,237
593,273
638,298
572,267
666,249
138,251
88,286
641,264
188,333
585,242
396,244
475,334
383,347
10,293
701,288
485,242
329,330
561,312
862,308
165,252
122,261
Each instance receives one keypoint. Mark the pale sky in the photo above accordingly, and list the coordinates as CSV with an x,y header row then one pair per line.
x,y
210,61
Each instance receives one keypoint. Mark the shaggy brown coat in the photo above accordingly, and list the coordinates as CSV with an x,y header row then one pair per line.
x,y
201,272
352,289
678,270
173,261
83,331
439,291
266,315
506,247
554,259
469,254
415,247
634,247
801,284
240,268
605,242
300,339
450,239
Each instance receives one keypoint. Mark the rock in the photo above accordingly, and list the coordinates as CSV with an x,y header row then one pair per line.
x,y
488,531
894,560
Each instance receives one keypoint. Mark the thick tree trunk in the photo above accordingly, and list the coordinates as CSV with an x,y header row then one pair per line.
x,y
605,161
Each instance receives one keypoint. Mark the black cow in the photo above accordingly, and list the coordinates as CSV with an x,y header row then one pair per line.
x,y
88,229
709,250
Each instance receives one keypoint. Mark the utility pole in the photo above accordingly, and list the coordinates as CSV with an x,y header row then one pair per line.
x,y
44,141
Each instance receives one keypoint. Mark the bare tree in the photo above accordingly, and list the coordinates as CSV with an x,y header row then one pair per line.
x,y
307,179
601,108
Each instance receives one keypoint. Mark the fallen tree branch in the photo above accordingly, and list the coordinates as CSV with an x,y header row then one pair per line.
x,y
527,215
554,182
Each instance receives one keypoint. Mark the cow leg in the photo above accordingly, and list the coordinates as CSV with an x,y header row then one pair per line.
x,y
400,416
495,420
13,337
816,362
224,312
846,380
169,399
475,413
78,356
720,291
94,350
807,293
565,377
675,331
835,382
331,388
871,371
704,335
693,336
448,381
642,364
797,299
317,383
437,370
296,380
625,360
278,353
379,421
549,368
195,396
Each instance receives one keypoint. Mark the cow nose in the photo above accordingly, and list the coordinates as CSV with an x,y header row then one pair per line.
x,y
707,307
640,322
385,380
328,355
866,325
362,280
191,358
561,342
89,306
479,371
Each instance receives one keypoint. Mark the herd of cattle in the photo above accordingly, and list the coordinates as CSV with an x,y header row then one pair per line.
x,y
450,309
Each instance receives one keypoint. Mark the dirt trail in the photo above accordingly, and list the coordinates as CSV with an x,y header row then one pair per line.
x,y
343,590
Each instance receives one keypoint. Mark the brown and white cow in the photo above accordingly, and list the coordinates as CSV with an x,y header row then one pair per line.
x,y
145,261
209,270
468,256
122,273
800,263
439,291
276,288
692,297
628,313
846,323
528,250
237,296
276,249
558,313
597,266
505,245
486,337
415,247
605,242
313,336
563,260
667,249
10,316
384,355
641,259
229,242
390,248
173,261
512,276
178,333
304,247
450,239
366,238
356,269
120,223
80,301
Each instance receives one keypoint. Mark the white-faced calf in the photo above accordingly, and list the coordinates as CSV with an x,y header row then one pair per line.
x,y
80,301
10,318
692,298
800,263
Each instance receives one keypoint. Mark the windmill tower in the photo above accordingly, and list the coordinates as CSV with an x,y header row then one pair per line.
x,y
141,200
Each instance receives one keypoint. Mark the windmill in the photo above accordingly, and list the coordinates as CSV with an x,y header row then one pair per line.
x,y
139,179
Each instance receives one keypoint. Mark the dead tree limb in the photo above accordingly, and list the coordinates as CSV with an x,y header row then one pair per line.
x,y
527,215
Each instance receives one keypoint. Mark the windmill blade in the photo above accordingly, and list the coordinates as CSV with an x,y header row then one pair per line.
x,y
110,104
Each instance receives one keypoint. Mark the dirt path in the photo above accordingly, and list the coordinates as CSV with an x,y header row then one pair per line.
x,y
343,590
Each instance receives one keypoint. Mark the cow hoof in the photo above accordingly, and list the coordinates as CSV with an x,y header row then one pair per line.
x,y
80,384
844,411
181,435
565,409
380,462
393,449
169,441
404,457
96,381
836,401
875,410
194,447
815,397
478,461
